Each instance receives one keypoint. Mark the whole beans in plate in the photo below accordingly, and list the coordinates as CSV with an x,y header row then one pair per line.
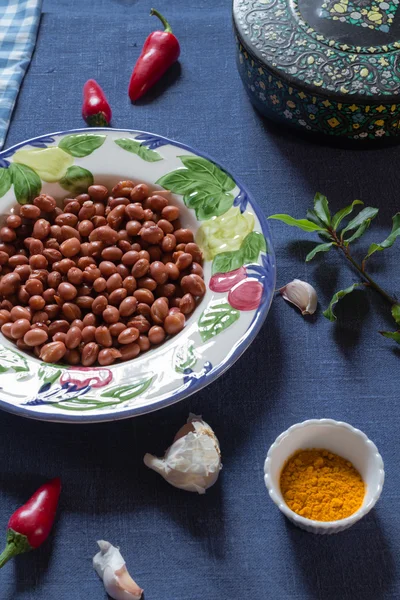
x,y
102,280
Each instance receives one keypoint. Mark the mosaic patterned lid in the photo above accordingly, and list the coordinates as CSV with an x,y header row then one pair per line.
x,y
347,49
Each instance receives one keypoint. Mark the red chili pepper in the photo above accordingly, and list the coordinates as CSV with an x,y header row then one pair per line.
x,y
30,525
160,51
95,109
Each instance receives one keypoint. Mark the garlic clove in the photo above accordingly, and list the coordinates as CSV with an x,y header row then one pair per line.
x,y
110,567
301,294
193,462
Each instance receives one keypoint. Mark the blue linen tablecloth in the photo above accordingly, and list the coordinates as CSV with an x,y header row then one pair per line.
x,y
232,543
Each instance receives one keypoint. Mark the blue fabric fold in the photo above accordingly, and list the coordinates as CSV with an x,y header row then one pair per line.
x,y
19,23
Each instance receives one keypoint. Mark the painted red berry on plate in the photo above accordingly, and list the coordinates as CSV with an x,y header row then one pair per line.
x,y
223,282
246,295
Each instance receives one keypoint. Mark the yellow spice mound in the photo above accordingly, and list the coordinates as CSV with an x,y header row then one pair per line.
x,y
322,486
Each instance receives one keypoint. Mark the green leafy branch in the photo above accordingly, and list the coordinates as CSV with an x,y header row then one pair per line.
x,y
329,228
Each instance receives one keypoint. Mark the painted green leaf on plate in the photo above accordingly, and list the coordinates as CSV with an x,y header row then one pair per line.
x,y
116,395
212,205
252,245
81,144
49,374
12,360
180,182
217,317
5,181
184,358
207,170
27,183
136,148
227,261
249,251
83,404
204,186
127,392
76,180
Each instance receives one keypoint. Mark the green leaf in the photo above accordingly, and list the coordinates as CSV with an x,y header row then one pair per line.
x,y
195,198
205,170
206,198
252,245
27,183
48,373
184,358
303,224
321,208
136,148
12,360
367,213
396,313
328,313
312,216
127,392
319,248
118,394
81,144
213,205
83,404
359,232
249,251
393,335
5,181
324,235
216,318
204,187
341,214
389,241
76,180
227,261
181,182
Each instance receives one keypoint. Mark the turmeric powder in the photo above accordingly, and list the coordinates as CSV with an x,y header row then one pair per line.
x,y
322,486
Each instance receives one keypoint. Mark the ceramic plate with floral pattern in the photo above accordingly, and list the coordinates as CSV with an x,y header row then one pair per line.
x,y
239,271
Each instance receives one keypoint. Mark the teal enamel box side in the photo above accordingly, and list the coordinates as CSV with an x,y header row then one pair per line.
x,y
275,98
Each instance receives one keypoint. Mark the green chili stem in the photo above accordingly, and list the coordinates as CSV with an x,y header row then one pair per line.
x,y
163,20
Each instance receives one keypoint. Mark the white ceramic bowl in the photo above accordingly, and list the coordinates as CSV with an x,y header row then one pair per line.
x,y
340,438
239,273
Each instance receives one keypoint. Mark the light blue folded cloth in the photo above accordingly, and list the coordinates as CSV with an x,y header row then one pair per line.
x,y
19,23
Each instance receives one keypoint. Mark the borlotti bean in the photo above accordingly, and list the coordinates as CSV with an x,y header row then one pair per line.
x,y
103,279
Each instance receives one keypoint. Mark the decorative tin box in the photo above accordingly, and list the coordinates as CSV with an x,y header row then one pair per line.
x,y
326,66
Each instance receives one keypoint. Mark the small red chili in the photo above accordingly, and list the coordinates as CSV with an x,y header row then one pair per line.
x,y
95,109
160,51
30,525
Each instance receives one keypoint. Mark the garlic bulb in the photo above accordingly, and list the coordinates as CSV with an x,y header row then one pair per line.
x,y
193,462
301,294
111,568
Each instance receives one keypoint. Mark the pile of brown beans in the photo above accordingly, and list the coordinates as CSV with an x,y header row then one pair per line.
x,y
101,280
